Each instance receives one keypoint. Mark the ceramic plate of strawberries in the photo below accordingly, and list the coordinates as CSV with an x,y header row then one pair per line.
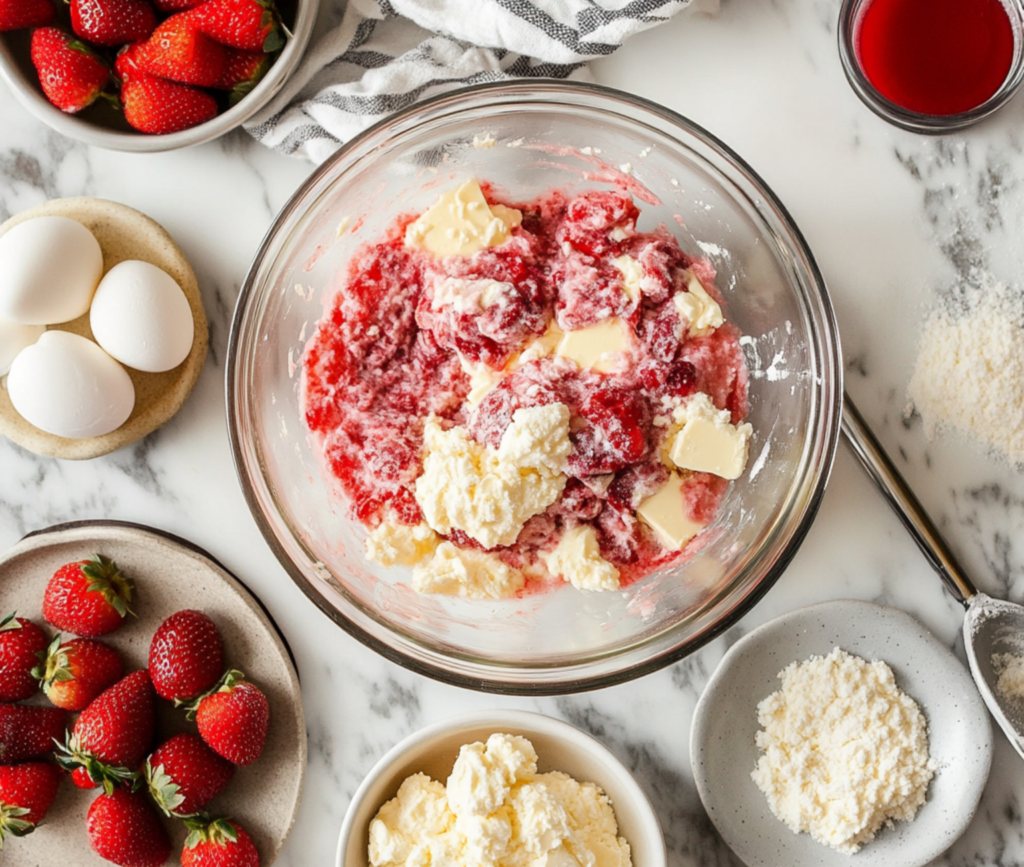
x,y
150,712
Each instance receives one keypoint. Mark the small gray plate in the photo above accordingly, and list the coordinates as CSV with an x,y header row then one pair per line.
x,y
723,752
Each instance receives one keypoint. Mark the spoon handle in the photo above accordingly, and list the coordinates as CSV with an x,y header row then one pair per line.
x,y
908,508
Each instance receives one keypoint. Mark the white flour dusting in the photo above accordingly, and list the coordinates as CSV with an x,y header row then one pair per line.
x,y
969,373
1010,671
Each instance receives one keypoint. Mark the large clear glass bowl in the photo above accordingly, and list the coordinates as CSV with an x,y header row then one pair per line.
x,y
545,135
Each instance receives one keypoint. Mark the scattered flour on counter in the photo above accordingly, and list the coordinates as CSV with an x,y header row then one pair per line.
x,y
845,750
1010,671
969,373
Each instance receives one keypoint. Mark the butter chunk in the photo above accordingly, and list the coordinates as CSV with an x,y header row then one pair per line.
x,y
593,347
490,494
708,442
393,544
665,513
461,222
577,558
454,571
632,274
698,308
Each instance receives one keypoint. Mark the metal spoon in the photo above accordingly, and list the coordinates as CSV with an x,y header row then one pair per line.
x,y
991,626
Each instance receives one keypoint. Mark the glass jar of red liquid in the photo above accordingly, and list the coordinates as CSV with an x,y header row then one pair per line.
x,y
932,66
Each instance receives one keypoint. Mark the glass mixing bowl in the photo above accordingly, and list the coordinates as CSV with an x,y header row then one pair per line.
x,y
528,138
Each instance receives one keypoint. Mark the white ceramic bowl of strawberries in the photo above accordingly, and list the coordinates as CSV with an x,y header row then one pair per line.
x,y
150,75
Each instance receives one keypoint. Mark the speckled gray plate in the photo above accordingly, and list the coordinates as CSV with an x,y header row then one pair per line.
x,y
170,574
723,752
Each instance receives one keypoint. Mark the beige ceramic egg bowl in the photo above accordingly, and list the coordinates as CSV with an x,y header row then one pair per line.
x,y
101,125
559,746
123,233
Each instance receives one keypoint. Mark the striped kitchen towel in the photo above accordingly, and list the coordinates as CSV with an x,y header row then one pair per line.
x,y
369,58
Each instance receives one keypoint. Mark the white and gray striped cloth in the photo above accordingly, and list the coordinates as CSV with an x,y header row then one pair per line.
x,y
369,58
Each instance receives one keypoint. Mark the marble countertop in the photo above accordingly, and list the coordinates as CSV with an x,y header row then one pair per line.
x,y
892,218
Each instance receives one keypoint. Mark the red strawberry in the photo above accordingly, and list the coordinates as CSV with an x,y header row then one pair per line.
x,y
112,735
27,732
15,14
234,719
19,644
91,597
112,22
183,774
125,829
169,6
253,25
159,107
26,792
71,74
186,657
219,843
178,52
242,72
75,672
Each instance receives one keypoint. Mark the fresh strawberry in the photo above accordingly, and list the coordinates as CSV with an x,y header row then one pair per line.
x,y
71,74
112,735
183,774
252,25
178,52
112,22
220,843
26,792
16,14
124,828
90,597
242,72
73,673
19,644
234,718
168,7
27,732
159,107
186,656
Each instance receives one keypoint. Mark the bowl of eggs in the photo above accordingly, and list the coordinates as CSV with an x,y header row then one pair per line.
x,y
102,327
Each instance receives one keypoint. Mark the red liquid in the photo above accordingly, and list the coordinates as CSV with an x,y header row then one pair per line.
x,y
937,57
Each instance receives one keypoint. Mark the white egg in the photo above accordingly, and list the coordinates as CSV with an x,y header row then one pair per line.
x,y
66,385
141,317
14,338
49,268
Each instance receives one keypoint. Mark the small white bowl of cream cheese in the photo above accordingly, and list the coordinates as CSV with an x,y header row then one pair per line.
x,y
487,783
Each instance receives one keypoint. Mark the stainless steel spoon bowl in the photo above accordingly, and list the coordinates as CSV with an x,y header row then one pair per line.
x,y
991,626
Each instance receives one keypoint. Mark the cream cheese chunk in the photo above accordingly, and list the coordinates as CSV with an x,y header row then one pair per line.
x,y
392,543
454,571
497,811
490,494
461,222
577,558
595,347
698,308
665,513
707,442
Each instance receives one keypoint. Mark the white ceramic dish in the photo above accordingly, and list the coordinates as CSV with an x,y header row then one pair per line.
x,y
723,752
100,125
560,747
170,574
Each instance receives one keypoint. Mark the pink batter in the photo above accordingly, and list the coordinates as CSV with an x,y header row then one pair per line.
x,y
383,360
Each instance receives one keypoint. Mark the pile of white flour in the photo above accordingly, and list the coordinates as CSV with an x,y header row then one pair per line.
x,y
969,373
845,750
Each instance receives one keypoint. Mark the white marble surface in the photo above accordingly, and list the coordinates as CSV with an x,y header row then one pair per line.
x,y
892,218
